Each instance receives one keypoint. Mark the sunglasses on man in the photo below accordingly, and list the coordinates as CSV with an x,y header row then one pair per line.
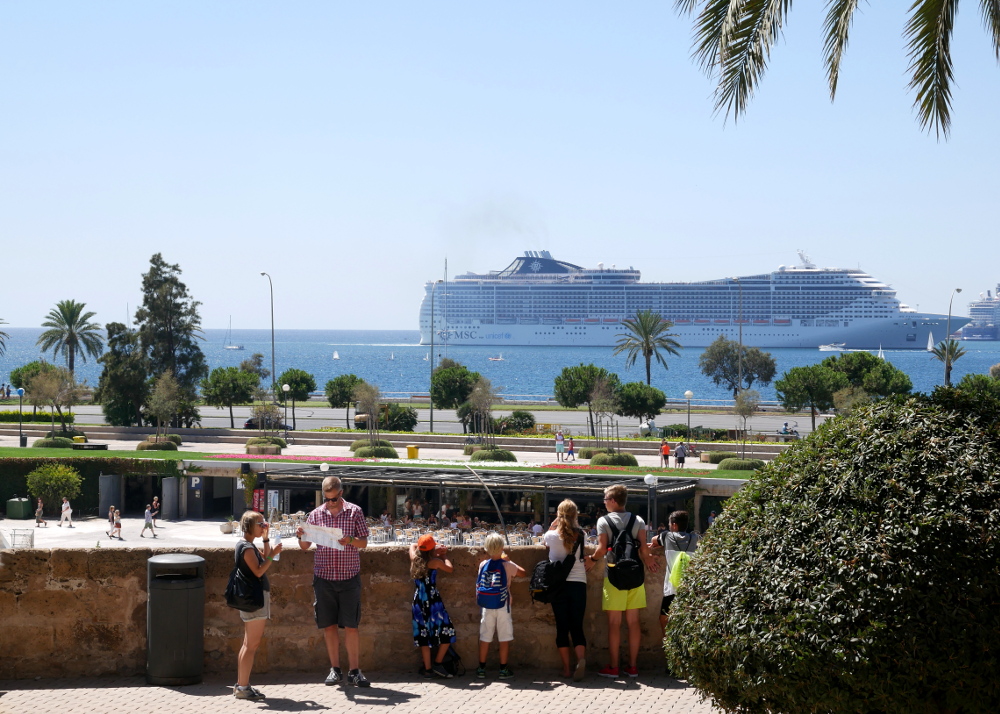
x,y
331,500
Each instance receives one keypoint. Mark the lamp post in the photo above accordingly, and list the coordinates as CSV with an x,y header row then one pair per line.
x,y
947,341
651,482
286,388
430,392
20,415
274,374
688,395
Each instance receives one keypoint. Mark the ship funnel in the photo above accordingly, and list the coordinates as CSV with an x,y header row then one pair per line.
x,y
600,266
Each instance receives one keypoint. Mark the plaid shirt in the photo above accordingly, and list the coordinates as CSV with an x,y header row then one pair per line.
x,y
330,563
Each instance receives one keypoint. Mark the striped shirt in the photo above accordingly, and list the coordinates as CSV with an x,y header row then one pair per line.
x,y
330,563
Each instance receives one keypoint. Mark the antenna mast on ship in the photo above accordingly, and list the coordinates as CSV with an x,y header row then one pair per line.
x,y
806,263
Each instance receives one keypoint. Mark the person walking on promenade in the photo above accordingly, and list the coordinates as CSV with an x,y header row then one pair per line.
x,y
253,564
432,626
493,598
569,605
560,446
680,453
148,522
111,520
665,454
570,449
632,546
116,530
155,510
337,579
66,513
39,521
673,543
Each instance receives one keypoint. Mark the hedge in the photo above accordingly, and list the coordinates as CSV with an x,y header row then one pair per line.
x,y
267,441
56,442
156,446
358,443
376,452
470,449
588,452
717,457
740,464
620,458
38,417
493,455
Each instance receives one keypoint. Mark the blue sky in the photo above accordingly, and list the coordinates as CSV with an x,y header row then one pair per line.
x,y
349,148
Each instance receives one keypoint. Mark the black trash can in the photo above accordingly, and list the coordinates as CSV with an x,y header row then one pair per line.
x,y
24,441
175,619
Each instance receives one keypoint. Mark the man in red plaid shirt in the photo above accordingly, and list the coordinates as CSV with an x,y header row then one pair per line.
x,y
337,579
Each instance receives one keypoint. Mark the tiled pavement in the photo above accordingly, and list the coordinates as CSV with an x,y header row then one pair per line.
x,y
655,694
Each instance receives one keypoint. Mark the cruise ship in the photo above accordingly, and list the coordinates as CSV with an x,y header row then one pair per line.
x,y
984,317
538,300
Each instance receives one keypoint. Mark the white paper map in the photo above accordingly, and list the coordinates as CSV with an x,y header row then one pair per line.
x,y
321,535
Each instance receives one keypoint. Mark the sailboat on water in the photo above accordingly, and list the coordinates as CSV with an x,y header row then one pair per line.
x,y
930,341
336,355
229,336
496,359
392,356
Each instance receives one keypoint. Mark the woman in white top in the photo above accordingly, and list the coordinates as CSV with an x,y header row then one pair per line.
x,y
564,536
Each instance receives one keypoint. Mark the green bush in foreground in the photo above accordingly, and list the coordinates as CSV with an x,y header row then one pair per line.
x,y
717,457
741,464
857,572
588,452
51,482
470,449
156,446
619,458
56,442
493,455
376,452
267,441
358,443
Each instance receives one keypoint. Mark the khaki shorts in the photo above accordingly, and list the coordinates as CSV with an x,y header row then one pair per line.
x,y
496,621
262,614
614,599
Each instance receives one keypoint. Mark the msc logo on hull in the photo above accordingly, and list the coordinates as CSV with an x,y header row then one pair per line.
x,y
447,335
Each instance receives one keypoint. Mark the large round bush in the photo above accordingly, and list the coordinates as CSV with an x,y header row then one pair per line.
x,y
358,443
618,458
493,455
732,464
376,452
717,457
56,442
267,441
156,446
858,572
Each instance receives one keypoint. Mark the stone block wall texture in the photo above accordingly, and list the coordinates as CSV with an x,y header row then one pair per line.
x,y
67,613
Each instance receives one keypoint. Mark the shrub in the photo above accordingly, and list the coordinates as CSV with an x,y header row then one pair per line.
x,y
856,572
588,452
156,446
717,457
619,458
56,442
175,438
493,455
520,421
51,482
357,444
741,464
69,434
470,449
376,452
399,418
267,441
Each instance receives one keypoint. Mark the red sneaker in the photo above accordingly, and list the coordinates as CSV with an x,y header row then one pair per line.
x,y
632,671
609,671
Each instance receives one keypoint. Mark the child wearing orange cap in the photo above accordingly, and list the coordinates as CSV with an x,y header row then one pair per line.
x,y
431,625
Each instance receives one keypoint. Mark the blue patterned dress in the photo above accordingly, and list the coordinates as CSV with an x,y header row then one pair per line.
x,y
431,624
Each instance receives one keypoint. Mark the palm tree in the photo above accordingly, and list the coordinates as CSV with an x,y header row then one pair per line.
x,y
3,339
947,351
733,41
647,334
70,332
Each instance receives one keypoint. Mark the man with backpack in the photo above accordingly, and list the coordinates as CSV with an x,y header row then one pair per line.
x,y
622,540
678,546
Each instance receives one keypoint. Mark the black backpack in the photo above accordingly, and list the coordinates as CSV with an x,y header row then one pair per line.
x,y
625,569
549,577
452,662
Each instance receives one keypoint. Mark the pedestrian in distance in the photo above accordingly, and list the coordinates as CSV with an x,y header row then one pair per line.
x,y
677,544
680,454
116,531
570,449
560,446
111,520
253,565
155,509
665,454
337,579
622,538
494,600
569,605
433,632
148,522
39,521
66,513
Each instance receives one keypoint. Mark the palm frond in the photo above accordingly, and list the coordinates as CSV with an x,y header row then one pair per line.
x,y
991,18
928,34
837,27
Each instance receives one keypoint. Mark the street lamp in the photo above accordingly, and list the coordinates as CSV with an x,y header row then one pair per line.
x,y
274,374
689,395
430,393
286,388
651,482
947,341
20,415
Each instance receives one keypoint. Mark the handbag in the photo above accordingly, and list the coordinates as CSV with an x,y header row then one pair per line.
x,y
244,593
548,578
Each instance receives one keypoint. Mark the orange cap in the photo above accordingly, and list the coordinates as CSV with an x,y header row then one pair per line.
x,y
426,542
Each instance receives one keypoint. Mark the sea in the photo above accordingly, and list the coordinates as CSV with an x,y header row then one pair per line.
x,y
396,362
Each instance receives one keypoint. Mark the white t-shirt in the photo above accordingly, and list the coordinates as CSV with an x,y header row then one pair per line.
x,y
557,551
673,544
65,506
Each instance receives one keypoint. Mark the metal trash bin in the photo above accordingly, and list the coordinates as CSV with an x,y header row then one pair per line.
x,y
19,508
412,451
175,619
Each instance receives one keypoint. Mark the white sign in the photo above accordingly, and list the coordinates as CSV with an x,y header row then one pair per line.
x,y
321,535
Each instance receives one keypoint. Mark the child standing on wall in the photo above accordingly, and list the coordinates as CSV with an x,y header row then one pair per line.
x,y
493,597
431,625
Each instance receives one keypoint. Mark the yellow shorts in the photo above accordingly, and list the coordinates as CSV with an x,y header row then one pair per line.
x,y
614,599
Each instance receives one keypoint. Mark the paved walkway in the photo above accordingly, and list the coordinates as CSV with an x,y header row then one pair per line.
x,y
305,693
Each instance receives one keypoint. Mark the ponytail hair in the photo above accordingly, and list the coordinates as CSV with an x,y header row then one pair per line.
x,y
567,526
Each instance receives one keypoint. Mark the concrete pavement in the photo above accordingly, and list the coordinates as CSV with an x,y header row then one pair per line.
x,y
528,691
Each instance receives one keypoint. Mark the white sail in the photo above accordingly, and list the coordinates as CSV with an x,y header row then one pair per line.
x,y
930,341
336,355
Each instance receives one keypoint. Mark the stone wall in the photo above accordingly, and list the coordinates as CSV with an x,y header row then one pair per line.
x,y
83,612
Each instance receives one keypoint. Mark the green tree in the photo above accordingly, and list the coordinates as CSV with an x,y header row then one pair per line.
x,y
71,332
340,393
721,363
165,401
640,401
301,384
368,398
3,340
865,371
481,401
948,352
169,329
21,376
54,388
255,365
647,334
575,387
747,402
398,417
451,386
812,386
51,481
733,42
124,387
226,386
980,385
